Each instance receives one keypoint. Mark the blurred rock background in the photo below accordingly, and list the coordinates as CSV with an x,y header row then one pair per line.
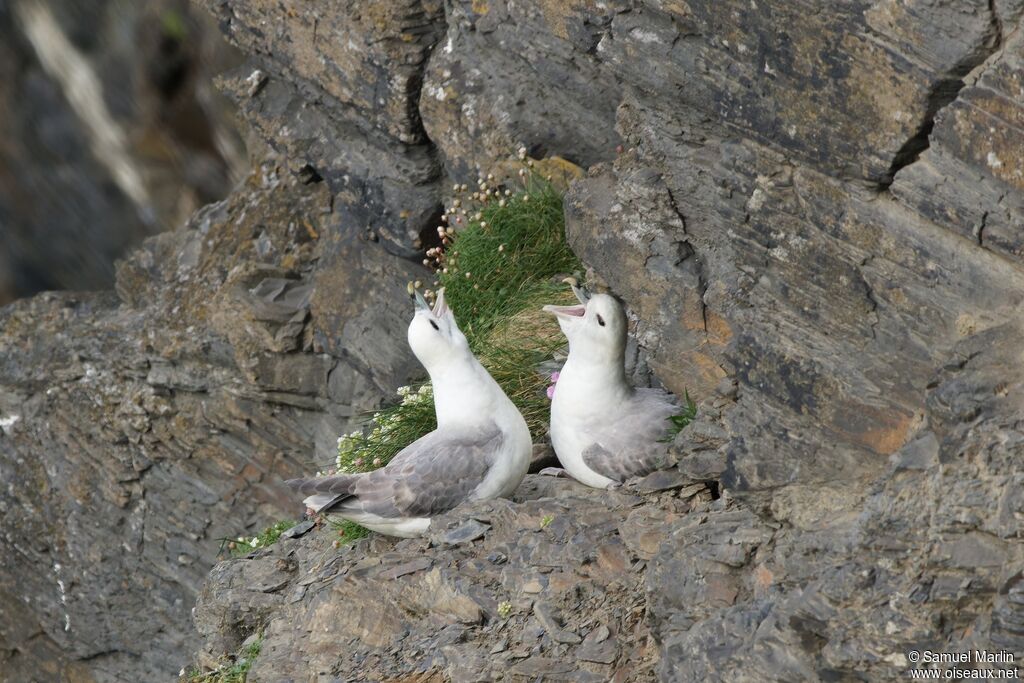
x,y
111,132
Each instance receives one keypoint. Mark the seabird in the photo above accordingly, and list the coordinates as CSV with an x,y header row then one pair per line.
x,y
602,429
480,449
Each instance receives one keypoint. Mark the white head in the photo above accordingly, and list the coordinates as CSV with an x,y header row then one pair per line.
x,y
596,328
434,336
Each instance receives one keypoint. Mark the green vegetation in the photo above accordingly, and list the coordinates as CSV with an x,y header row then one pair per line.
x,y
235,671
497,272
243,546
679,422
350,532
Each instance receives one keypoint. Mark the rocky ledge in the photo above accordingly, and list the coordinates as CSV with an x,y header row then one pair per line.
x,y
550,584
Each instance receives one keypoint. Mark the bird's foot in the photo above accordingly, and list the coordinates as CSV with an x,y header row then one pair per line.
x,y
614,486
553,472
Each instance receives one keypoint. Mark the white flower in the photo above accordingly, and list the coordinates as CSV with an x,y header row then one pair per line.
x,y
255,541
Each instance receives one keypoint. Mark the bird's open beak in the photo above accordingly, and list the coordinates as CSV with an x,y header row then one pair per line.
x,y
421,303
567,312
582,295
440,305
570,312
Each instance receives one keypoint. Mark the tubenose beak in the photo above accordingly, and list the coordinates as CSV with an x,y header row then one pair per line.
x,y
571,312
582,295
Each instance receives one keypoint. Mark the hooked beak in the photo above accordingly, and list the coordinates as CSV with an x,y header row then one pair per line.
x,y
582,295
570,312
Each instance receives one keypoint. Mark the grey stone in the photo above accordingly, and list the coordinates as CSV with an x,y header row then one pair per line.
x,y
663,480
300,529
467,532
554,630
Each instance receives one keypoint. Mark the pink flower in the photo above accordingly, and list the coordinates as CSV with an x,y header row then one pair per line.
x,y
551,387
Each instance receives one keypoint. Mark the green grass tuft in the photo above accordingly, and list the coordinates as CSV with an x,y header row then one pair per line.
x,y
350,532
681,421
235,671
510,262
238,547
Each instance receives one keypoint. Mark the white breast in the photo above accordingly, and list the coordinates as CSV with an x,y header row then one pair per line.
x,y
569,437
512,461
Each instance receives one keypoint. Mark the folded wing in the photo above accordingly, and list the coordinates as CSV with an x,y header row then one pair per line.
x,y
430,476
630,445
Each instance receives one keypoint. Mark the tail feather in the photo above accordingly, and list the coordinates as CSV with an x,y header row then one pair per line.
x,y
323,502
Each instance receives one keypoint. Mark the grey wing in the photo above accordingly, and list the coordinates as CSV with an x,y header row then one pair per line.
x,y
430,476
630,445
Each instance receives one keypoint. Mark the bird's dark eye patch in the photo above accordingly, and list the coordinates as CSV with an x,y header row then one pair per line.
x,y
600,320
434,325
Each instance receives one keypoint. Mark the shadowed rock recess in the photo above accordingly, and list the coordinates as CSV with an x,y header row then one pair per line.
x,y
815,216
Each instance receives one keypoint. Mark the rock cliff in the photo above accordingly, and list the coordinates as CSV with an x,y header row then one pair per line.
x,y
814,215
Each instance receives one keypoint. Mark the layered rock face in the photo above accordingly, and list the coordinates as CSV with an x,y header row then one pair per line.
x,y
813,215
141,427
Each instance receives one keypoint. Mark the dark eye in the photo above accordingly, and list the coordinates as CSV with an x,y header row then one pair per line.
x,y
434,325
600,320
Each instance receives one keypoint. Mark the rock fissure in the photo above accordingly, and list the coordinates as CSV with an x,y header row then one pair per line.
x,y
944,92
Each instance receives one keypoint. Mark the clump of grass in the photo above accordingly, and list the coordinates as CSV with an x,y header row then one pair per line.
x,y
681,421
498,268
235,671
243,546
348,532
